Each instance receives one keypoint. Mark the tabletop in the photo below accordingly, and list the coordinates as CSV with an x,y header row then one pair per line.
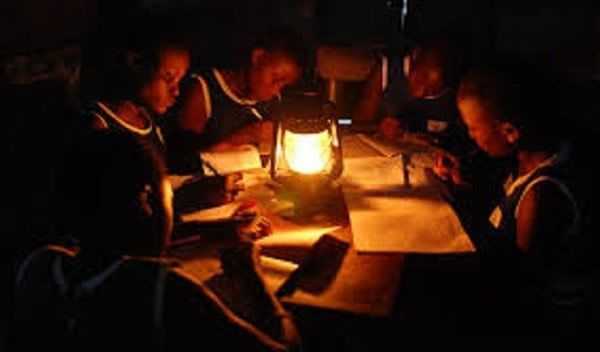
x,y
301,264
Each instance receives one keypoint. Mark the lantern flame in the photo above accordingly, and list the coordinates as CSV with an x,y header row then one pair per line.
x,y
307,153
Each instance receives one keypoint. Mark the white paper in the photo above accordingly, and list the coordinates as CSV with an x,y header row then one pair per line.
x,y
385,149
276,271
373,172
415,146
242,158
405,224
353,146
295,237
394,207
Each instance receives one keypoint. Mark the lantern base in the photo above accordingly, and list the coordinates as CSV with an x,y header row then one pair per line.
x,y
310,194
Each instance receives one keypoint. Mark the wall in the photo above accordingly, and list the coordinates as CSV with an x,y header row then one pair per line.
x,y
39,39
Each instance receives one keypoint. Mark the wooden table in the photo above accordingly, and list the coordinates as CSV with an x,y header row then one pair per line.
x,y
332,275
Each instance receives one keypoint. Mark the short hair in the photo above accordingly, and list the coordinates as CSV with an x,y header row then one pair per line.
x,y
443,52
514,90
107,71
100,185
276,38
285,40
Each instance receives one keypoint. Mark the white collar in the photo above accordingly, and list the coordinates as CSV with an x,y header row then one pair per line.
x,y
114,116
228,91
561,156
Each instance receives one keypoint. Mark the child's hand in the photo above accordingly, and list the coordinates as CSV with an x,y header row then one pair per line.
x,y
447,167
233,185
256,226
259,227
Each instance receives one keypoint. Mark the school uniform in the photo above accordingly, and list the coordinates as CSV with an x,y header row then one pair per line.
x,y
150,134
138,303
548,287
227,113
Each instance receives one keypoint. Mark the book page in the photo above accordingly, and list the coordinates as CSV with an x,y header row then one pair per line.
x,y
242,158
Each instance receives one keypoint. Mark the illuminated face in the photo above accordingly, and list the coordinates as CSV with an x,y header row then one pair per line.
x,y
425,80
269,73
489,134
162,90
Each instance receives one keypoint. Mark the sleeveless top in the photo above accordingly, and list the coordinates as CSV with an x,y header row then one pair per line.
x,y
150,135
137,303
551,170
436,116
226,112
91,310
546,270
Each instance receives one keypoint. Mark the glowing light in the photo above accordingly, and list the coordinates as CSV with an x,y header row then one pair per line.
x,y
307,153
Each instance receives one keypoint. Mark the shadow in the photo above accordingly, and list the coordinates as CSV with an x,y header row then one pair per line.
x,y
319,269
432,192
200,194
201,234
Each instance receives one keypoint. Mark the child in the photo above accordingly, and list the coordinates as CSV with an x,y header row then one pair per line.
x,y
131,78
117,288
226,106
532,239
418,94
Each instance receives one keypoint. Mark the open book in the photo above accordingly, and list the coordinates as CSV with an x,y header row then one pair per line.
x,y
242,158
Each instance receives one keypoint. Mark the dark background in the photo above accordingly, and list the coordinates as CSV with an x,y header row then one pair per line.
x,y
565,32
40,45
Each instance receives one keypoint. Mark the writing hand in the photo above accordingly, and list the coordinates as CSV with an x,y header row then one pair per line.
x,y
447,167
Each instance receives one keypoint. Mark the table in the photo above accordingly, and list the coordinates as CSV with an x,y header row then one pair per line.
x,y
364,284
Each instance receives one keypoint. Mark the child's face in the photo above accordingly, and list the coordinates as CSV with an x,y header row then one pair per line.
x,y
483,129
425,80
160,93
270,73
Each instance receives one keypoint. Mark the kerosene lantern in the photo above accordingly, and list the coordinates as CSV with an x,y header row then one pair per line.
x,y
307,155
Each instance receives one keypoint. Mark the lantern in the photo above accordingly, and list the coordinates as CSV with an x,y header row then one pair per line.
x,y
306,154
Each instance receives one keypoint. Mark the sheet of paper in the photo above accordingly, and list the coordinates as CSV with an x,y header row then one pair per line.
x,y
276,271
405,223
414,147
394,207
245,157
355,147
385,149
373,172
295,237
216,214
